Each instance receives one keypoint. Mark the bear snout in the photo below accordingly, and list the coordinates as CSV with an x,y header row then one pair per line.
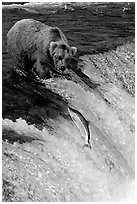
x,y
63,68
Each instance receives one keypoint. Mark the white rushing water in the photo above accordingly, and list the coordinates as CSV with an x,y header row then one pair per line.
x,y
76,173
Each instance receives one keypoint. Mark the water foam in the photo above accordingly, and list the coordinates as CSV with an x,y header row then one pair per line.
x,y
21,127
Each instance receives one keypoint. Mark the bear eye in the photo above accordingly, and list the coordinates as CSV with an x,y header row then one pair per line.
x,y
60,57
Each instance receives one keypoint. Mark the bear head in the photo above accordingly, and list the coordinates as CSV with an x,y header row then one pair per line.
x,y
61,55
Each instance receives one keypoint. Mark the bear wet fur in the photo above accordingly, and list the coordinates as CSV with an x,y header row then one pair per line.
x,y
38,48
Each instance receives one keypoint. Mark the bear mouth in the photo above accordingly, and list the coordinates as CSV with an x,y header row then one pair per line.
x,y
61,71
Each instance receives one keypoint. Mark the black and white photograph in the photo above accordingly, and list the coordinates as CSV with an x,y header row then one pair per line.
x,y
68,101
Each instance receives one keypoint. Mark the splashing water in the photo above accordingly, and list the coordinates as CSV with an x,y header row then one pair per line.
x,y
59,164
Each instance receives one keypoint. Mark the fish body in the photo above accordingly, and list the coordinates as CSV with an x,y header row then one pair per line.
x,y
81,123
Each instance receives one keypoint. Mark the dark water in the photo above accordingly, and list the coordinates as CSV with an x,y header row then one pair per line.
x,y
92,28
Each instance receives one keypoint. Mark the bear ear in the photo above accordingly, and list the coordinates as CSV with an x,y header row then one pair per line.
x,y
74,50
52,47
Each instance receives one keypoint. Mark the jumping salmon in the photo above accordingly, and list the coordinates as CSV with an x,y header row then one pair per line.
x,y
81,123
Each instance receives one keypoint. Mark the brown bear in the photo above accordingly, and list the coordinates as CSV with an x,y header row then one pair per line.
x,y
39,48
